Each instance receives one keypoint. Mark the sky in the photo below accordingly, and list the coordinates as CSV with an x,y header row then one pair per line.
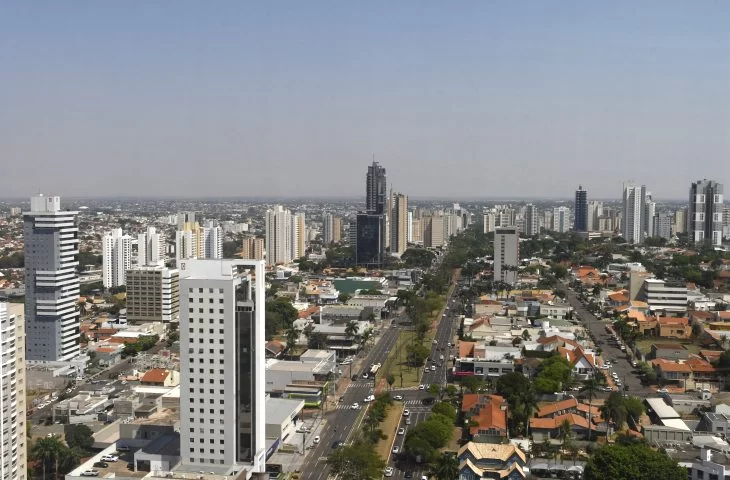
x,y
289,99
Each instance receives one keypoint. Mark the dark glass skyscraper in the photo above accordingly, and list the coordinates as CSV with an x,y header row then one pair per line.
x,y
581,210
371,232
375,194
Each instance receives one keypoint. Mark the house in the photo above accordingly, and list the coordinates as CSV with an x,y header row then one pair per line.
x,y
669,351
488,460
693,373
551,427
569,405
589,276
674,327
553,342
560,311
582,361
487,415
275,349
161,377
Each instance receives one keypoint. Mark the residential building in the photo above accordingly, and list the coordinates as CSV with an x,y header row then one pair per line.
x,y
663,226
434,231
298,236
532,226
194,241
331,228
12,396
580,223
561,219
222,364
399,223
634,201
150,247
661,295
704,215
595,212
648,217
253,248
680,220
487,415
279,236
484,460
185,218
409,228
116,253
506,254
490,221
153,294
212,241
51,281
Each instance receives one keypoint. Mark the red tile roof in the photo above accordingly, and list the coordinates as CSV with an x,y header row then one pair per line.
x,y
155,375
489,414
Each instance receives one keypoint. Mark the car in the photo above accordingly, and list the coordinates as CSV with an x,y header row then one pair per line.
x,y
425,369
355,406
396,449
605,367
634,364
607,389
435,341
424,477
90,473
368,399
353,378
408,420
422,387
408,475
401,431
662,390
398,397
389,471
406,412
315,440
441,357
433,368
337,444
365,375
109,458
100,464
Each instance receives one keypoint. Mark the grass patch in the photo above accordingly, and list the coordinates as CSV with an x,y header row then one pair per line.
x,y
455,442
389,426
397,361
644,344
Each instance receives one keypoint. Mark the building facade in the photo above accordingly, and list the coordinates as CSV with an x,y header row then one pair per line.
x,y
51,281
375,189
116,254
580,223
634,201
153,294
150,247
705,210
399,223
561,219
506,254
253,248
532,225
278,236
298,236
370,243
222,364
12,396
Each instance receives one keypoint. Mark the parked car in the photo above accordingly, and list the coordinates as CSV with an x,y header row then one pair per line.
x,y
368,399
109,458
389,471
406,412
100,464
315,440
401,431
398,397
422,387
396,449
90,473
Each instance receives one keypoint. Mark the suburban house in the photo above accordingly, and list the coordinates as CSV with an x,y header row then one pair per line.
x,y
487,460
487,417
160,377
671,327
274,349
693,373
589,276
669,351
551,427
582,361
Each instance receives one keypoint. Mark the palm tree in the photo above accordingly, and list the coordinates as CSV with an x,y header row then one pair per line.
x,y
590,387
351,329
613,410
565,429
47,449
446,467
526,335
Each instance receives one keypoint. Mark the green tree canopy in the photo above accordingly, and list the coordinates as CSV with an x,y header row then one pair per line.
x,y
417,258
632,462
359,461
445,409
80,436
552,374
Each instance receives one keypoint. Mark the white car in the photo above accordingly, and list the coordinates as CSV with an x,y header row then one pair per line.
x,y
368,399
355,406
398,397
422,387
396,449
315,440
433,368
401,431
90,473
109,458
406,412
389,471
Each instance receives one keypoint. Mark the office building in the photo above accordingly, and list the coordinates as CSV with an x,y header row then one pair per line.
x,y
399,223
222,388
278,236
299,236
370,240
12,396
664,297
51,281
561,219
634,208
532,226
116,258
580,223
253,248
704,215
375,190
153,294
150,247
506,254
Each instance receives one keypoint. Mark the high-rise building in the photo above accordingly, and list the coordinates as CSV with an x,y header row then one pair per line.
x,y
222,388
506,254
434,231
561,219
278,236
580,223
409,228
212,241
194,241
253,248
680,220
12,396
417,229
531,221
595,212
663,226
726,222
184,218
116,258
51,281
370,240
648,218
375,190
153,294
704,215
298,236
150,247
336,229
490,221
399,223
328,227
634,209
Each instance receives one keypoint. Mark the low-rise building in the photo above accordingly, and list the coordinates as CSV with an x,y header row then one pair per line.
x,y
486,460
161,377
663,296
487,417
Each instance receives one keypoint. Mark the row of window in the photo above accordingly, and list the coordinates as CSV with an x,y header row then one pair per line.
x,y
202,390
210,290
205,460
202,351
192,380
192,400
210,310
202,410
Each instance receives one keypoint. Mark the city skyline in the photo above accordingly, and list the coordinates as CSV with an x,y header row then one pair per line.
x,y
453,100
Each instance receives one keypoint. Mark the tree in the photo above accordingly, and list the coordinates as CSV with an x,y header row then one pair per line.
x,y
292,335
472,383
590,387
565,430
344,297
445,409
351,329
48,450
79,436
359,461
632,462
417,353
446,467
559,271
614,410
552,374
526,335
434,389
520,395
390,378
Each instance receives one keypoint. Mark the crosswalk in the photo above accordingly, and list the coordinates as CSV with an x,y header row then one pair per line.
x,y
411,404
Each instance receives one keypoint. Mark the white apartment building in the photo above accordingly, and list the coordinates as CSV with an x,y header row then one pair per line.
x,y
12,396
634,209
153,294
561,219
595,211
213,242
328,228
532,226
51,281
664,296
150,247
222,394
199,242
116,254
490,221
278,236
506,254
399,223
298,236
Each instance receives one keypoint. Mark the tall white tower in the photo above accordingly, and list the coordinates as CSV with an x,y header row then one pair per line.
x,y
506,254
12,396
222,388
116,250
278,236
150,247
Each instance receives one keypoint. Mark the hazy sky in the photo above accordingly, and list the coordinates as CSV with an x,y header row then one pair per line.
x,y
292,98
